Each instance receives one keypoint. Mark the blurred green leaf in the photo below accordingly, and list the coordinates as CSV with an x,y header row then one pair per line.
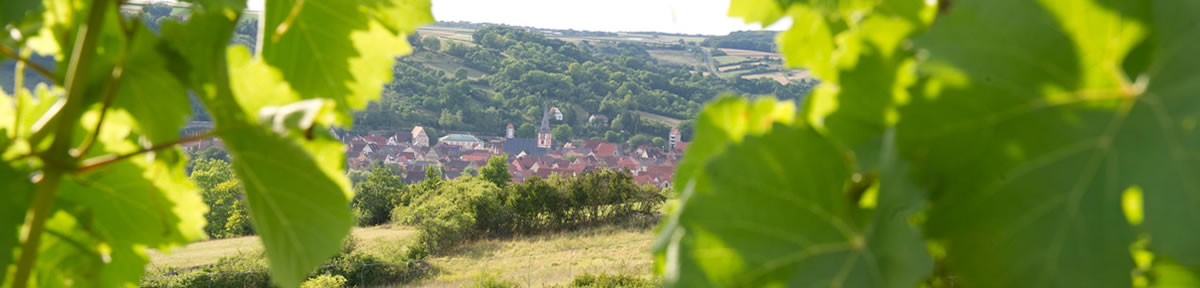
x,y
150,92
326,49
300,208
1027,135
789,224
13,11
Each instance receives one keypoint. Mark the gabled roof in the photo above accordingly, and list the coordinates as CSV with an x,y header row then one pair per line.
x,y
515,146
605,149
459,138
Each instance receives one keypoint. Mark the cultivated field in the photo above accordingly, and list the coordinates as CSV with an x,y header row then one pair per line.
x,y
782,77
677,57
660,118
748,53
445,63
728,59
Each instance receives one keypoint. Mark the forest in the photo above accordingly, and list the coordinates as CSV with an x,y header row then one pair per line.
x,y
749,40
526,71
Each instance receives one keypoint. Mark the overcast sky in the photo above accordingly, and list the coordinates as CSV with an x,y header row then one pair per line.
x,y
676,16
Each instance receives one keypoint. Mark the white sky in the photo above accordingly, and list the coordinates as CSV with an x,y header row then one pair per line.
x,y
675,16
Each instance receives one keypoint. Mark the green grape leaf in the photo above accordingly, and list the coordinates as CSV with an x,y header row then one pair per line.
x,y
13,11
302,223
197,54
326,49
726,120
1028,133
399,16
1167,274
900,251
1164,142
789,224
150,92
69,256
128,206
299,207
863,66
136,204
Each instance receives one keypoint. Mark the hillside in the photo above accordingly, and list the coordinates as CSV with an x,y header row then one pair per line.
x,y
478,79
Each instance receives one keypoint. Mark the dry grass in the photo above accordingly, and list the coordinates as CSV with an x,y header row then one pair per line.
x,y
532,261
538,261
208,252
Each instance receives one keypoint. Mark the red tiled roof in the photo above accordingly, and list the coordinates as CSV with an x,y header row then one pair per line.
x,y
605,149
476,156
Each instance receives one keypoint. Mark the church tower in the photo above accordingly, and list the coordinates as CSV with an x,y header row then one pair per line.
x,y
544,138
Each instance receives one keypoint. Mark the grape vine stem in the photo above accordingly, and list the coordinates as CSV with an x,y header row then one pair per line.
x,y
101,161
8,52
58,158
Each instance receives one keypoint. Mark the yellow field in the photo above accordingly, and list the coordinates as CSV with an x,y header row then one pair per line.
x,y
539,261
208,252
532,261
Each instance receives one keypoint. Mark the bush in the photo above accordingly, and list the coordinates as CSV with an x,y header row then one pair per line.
x,y
456,211
241,270
612,281
375,197
325,281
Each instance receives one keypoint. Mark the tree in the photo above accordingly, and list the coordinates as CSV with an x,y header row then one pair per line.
x,y
374,198
431,43
639,140
612,137
460,73
496,170
618,123
433,179
221,201
686,128
212,152
238,223
563,133
208,173
526,131
659,142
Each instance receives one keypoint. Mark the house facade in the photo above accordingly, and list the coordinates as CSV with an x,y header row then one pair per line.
x,y
420,139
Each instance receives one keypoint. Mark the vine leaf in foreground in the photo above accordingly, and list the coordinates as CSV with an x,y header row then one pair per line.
x,y
787,224
339,51
1029,133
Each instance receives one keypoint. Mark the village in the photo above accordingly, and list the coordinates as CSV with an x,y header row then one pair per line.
x,y
460,154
